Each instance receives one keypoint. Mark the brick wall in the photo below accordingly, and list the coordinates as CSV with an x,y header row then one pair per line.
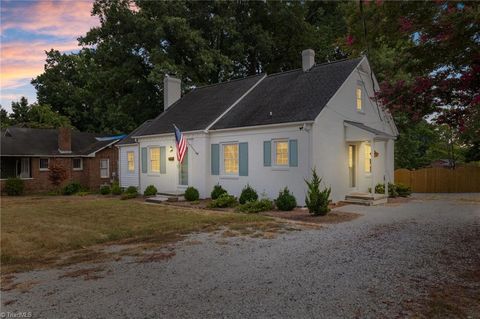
x,y
88,177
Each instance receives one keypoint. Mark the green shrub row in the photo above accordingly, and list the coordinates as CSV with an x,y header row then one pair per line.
x,y
394,190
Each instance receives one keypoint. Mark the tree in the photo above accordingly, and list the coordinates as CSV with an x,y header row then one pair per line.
x,y
114,82
4,118
33,115
56,172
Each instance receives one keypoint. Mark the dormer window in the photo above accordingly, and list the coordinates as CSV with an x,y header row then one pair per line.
x,y
358,95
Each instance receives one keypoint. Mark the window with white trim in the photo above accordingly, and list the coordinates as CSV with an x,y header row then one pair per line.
x,y
155,159
368,158
230,159
43,164
358,95
280,153
105,168
131,161
77,164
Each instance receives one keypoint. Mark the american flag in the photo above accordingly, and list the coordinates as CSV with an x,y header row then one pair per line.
x,y
181,144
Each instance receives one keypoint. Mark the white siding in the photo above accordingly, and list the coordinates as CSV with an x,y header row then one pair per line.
x,y
128,178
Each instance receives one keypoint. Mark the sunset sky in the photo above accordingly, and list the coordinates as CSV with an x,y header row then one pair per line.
x,y
28,29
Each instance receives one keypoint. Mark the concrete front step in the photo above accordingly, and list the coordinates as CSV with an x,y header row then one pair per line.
x,y
366,199
163,198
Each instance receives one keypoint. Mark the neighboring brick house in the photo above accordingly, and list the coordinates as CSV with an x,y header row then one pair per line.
x,y
28,153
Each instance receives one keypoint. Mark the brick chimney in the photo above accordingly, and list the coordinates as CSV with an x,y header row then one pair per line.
x,y
172,91
308,59
64,140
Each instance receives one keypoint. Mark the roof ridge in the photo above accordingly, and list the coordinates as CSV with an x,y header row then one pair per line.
x,y
225,82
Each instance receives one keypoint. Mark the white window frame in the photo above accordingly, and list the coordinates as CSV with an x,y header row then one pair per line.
x,y
107,168
150,170
359,99
274,153
367,159
222,159
43,169
81,164
132,161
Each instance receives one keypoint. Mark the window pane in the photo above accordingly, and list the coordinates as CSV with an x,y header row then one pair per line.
x,y
77,163
131,163
359,98
368,158
281,153
155,160
230,158
44,163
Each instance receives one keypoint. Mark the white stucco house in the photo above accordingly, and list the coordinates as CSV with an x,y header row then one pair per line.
x,y
268,131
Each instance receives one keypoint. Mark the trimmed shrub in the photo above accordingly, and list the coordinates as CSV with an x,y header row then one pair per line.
x,y
72,188
116,189
14,186
105,190
248,195
128,195
131,190
317,200
403,190
191,194
223,201
217,191
380,189
150,191
285,200
256,206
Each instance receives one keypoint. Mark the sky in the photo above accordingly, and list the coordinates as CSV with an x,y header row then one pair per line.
x,y
28,28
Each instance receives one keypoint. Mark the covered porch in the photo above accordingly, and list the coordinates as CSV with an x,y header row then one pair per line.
x,y
370,159
15,167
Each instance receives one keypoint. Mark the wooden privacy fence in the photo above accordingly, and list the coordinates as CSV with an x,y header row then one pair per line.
x,y
464,179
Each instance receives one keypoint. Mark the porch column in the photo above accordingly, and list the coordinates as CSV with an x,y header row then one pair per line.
x,y
372,157
385,176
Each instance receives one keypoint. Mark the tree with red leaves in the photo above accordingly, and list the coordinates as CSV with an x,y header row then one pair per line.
x,y
56,172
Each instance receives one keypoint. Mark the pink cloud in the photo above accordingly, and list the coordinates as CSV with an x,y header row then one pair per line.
x,y
49,17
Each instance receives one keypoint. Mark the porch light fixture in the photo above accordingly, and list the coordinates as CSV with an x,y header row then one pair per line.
x,y
171,149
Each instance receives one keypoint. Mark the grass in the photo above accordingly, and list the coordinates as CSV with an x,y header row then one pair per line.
x,y
36,231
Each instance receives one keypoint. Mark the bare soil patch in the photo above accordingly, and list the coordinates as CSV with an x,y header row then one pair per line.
x,y
302,215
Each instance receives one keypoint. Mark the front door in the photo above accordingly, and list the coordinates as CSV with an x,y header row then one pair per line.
x,y
183,171
352,165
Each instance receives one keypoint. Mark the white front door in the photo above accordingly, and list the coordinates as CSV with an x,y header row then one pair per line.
x,y
352,166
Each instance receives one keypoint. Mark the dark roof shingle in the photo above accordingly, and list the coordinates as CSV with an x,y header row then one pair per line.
x,y
129,138
291,96
200,107
44,142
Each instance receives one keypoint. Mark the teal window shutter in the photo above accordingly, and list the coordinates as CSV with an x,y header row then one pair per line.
x,y
243,159
144,160
163,160
215,159
293,153
267,153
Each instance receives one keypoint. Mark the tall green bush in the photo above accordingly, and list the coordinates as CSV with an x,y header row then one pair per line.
x,y
116,189
14,186
217,191
191,194
72,188
317,200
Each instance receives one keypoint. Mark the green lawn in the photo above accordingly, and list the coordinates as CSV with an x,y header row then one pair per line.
x,y
36,231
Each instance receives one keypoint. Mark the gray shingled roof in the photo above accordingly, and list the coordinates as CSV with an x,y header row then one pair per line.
x,y
200,107
128,139
291,96
44,142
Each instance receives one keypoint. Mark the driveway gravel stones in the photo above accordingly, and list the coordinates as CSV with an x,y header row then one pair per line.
x,y
375,266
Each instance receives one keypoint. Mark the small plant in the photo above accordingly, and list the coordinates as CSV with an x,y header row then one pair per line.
x,y
256,206
317,200
285,200
217,191
14,186
72,188
105,190
116,189
248,195
128,195
150,191
403,190
131,190
56,173
83,193
380,189
223,201
191,194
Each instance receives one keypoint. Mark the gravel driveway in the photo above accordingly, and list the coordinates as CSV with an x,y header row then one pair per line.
x,y
371,267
